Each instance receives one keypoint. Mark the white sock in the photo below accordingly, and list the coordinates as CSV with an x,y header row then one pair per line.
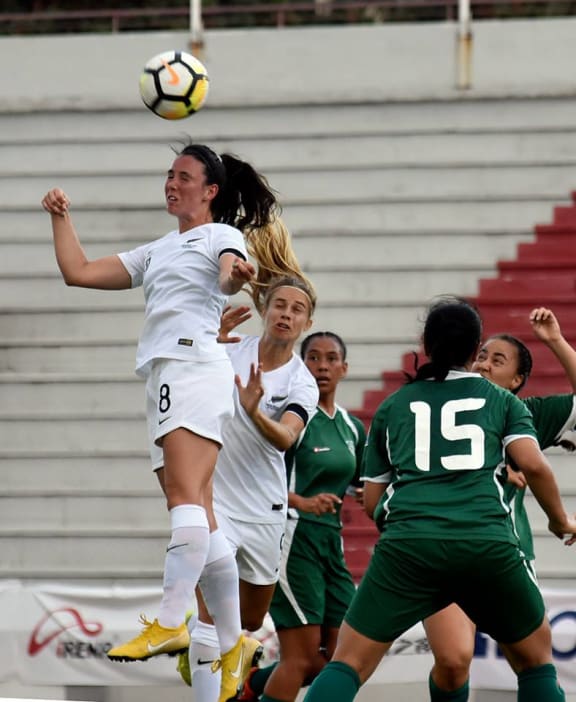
x,y
220,590
204,650
185,558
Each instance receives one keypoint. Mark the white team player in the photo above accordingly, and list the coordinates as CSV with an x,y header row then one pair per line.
x,y
275,398
221,204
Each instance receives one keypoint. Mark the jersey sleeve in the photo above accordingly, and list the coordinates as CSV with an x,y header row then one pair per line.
x,y
376,466
303,397
134,261
228,239
553,415
360,444
519,422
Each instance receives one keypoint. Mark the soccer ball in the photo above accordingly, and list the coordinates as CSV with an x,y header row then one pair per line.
x,y
174,84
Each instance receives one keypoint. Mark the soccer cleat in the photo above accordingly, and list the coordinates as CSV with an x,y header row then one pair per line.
x,y
247,694
183,667
235,666
153,640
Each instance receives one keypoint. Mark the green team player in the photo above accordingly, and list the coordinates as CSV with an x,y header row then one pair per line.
x,y
315,586
504,360
448,535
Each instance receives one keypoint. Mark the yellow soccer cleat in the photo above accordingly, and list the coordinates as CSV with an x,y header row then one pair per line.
x,y
183,667
236,665
152,641
183,661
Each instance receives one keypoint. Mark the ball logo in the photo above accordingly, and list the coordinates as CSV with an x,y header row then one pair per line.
x,y
174,77
56,623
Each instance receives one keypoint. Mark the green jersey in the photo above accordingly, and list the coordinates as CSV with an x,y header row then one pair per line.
x,y
552,416
440,446
326,459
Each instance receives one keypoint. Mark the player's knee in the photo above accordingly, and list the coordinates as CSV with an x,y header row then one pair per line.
x,y
451,671
252,622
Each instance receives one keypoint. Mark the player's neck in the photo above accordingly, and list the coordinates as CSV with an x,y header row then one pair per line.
x,y
273,355
328,404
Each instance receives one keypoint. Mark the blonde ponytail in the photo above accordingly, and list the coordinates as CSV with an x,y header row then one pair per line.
x,y
271,247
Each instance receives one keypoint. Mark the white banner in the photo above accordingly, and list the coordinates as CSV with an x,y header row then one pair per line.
x,y
59,634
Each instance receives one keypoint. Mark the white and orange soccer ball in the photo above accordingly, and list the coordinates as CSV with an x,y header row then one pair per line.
x,y
174,84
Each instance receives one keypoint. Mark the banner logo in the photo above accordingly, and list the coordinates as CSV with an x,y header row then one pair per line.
x,y
56,623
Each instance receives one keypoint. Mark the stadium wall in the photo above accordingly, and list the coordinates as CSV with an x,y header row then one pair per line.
x,y
293,65
313,65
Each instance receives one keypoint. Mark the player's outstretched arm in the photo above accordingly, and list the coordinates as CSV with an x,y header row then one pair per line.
x,y
106,273
527,455
547,329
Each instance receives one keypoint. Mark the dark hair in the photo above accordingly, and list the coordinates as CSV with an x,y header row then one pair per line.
x,y
452,332
291,282
244,199
323,335
524,367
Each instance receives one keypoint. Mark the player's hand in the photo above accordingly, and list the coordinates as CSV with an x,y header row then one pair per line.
x,y
516,478
357,493
565,530
56,202
242,270
545,325
231,318
319,504
251,394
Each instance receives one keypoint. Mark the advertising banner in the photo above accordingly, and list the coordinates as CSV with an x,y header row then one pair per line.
x,y
58,634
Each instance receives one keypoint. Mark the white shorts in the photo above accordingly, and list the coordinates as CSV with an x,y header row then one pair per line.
x,y
188,394
256,547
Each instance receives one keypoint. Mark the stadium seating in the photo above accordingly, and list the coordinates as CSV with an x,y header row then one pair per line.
x,y
386,213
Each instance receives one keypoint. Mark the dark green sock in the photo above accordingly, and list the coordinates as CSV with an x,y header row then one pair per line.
x,y
438,695
337,681
538,684
259,678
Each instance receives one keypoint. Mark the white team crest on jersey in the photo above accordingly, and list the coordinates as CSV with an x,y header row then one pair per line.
x,y
351,446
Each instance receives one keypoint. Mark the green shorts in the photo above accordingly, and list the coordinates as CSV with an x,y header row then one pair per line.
x,y
408,580
315,585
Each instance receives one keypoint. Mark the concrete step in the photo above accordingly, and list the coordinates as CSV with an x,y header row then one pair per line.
x,y
538,520
51,396
312,187
320,120
405,252
86,398
366,322
84,514
386,215
62,554
108,356
76,432
298,152
77,473
113,553
334,286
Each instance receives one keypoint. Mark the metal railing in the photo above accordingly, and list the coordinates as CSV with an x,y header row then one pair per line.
x,y
271,14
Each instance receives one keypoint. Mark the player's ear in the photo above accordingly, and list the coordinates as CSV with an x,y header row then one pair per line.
x,y
211,191
516,381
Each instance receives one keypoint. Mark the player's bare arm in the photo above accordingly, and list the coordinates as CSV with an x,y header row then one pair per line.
x,y
318,504
234,272
373,493
106,273
547,329
527,455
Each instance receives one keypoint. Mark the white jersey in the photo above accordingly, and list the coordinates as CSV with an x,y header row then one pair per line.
x,y
250,477
179,274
